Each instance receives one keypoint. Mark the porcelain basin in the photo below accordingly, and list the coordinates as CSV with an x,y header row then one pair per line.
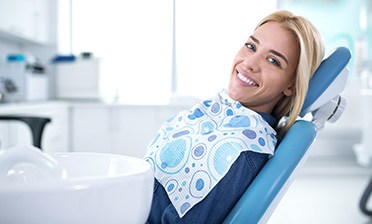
x,y
74,187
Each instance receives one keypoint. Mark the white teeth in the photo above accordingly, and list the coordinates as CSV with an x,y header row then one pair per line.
x,y
246,80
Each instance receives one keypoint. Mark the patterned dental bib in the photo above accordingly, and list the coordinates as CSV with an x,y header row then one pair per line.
x,y
194,150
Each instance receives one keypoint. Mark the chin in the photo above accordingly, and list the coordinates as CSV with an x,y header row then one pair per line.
x,y
233,94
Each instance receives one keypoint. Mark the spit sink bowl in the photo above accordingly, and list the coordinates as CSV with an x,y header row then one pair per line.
x,y
73,187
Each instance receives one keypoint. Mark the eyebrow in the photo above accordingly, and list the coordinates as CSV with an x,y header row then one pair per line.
x,y
271,50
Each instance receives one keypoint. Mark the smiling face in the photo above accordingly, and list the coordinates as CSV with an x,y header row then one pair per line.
x,y
264,68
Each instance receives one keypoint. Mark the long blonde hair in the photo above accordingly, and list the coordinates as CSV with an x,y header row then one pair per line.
x,y
311,55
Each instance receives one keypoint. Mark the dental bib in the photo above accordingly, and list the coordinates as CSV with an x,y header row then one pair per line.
x,y
194,150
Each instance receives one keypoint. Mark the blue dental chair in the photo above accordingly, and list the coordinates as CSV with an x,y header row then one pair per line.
x,y
325,104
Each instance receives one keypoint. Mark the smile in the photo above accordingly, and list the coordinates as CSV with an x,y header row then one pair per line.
x,y
247,80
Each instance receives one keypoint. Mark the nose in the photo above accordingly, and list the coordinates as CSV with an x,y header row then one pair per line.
x,y
251,69
251,63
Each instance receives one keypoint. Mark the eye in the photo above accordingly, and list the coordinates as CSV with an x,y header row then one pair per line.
x,y
250,46
274,62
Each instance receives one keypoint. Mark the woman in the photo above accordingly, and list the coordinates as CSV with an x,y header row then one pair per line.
x,y
206,157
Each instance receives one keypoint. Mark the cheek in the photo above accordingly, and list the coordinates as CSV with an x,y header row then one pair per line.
x,y
233,68
236,61
284,85
239,58
277,80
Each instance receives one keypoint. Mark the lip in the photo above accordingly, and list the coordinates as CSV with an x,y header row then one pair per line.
x,y
245,79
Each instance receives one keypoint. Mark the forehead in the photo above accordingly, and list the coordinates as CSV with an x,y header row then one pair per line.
x,y
273,35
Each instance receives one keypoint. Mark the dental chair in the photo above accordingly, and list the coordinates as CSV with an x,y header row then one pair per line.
x,y
325,104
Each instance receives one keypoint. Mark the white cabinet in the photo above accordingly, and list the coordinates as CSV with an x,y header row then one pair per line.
x,y
120,129
90,131
25,20
56,133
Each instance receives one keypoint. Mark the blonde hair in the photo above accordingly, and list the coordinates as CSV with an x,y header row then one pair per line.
x,y
311,55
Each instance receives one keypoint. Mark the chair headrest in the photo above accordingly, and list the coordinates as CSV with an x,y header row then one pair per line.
x,y
328,80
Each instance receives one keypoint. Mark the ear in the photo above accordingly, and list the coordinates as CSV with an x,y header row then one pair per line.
x,y
289,91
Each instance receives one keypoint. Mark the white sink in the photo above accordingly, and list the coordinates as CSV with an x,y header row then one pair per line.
x,y
36,187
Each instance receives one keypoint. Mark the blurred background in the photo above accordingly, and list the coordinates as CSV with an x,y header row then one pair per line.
x,y
108,73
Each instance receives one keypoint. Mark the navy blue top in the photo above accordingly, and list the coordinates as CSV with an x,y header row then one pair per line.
x,y
269,118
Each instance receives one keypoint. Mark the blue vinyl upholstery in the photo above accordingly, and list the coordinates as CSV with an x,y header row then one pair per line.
x,y
326,73
273,176
258,198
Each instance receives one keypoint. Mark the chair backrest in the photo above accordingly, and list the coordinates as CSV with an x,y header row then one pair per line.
x,y
328,80
261,198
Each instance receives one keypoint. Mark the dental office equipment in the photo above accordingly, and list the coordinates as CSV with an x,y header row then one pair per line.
x,y
323,101
73,187
36,125
23,78
78,78
364,199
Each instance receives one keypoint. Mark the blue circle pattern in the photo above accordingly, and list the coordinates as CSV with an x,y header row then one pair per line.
x,y
199,151
200,184
225,153
171,186
190,161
